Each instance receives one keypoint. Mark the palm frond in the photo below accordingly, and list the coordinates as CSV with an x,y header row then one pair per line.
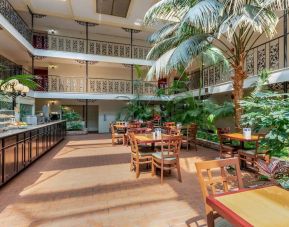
x,y
165,32
275,4
259,20
162,47
204,15
168,10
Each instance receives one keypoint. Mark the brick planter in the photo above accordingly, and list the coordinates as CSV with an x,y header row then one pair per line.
x,y
208,144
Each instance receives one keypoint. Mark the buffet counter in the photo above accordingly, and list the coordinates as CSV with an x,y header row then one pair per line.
x,y
21,147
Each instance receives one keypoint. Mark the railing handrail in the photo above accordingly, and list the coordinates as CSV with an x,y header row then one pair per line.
x,y
101,41
100,78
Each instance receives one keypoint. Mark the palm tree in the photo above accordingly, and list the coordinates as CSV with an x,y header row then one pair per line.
x,y
210,31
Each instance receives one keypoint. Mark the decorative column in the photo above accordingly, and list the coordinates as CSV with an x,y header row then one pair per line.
x,y
131,32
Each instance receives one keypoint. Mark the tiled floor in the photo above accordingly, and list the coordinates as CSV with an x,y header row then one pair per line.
x,y
86,182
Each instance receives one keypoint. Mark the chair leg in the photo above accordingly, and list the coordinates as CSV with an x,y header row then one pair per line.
x,y
196,147
131,163
112,141
162,173
179,171
153,168
137,170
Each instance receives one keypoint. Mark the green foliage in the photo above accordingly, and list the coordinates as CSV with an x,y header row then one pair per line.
x,y
73,119
136,110
27,80
74,126
268,111
186,109
70,115
195,31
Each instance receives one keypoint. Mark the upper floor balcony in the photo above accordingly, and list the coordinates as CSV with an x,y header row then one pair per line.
x,y
72,43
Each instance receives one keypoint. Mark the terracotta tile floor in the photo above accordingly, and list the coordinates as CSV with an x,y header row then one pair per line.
x,y
85,181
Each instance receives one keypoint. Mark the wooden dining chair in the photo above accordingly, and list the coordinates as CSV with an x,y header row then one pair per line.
x,y
190,136
249,157
226,149
215,178
116,136
137,157
174,131
168,157
226,146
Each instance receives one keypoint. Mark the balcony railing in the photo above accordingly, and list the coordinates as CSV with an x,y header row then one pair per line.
x,y
70,44
7,10
267,55
99,86
78,45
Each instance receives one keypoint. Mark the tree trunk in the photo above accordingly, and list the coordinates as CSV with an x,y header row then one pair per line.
x,y
238,92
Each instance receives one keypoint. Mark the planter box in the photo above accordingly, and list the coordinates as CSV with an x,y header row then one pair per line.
x,y
75,133
208,144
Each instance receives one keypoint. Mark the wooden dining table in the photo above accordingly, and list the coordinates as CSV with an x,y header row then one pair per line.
x,y
149,138
241,138
266,206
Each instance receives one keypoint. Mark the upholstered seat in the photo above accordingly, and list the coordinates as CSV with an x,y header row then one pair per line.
x,y
158,155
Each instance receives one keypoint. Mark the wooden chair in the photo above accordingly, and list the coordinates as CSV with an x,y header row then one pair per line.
x,y
168,158
226,146
174,131
116,136
137,157
169,124
250,156
226,149
190,137
211,182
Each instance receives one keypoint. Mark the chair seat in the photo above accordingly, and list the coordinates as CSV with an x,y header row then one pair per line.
x,y
221,222
142,153
158,155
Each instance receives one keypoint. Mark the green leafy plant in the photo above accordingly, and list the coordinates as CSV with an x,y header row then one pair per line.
x,y
71,116
268,111
73,119
74,126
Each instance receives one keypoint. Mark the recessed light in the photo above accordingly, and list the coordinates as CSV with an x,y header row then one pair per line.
x,y
138,22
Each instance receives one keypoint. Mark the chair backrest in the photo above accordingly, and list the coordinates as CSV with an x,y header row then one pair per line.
x,y
192,131
120,123
174,131
112,129
134,125
133,144
169,124
212,181
171,146
138,130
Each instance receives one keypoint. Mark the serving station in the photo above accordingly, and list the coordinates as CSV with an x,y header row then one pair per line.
x,y
20,147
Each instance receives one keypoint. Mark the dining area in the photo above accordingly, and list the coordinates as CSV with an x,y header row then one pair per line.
x,y
228,200
154,148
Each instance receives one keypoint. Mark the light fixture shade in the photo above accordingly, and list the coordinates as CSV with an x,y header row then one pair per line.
x,y
25,89
13,82
19,87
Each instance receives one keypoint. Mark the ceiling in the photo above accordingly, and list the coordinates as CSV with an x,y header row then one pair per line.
x,y
85,10
118,8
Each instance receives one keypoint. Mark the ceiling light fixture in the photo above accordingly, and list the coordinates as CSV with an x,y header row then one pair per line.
x,y
52,31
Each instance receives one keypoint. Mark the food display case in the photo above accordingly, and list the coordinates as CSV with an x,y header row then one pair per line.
x,y
7,119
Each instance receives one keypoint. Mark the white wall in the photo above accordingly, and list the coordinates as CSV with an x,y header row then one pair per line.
x,y
108,111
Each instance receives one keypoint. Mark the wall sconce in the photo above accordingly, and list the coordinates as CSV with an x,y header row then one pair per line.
x,y
52,66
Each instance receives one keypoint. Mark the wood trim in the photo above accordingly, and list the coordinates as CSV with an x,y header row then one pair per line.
x,y
227,213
